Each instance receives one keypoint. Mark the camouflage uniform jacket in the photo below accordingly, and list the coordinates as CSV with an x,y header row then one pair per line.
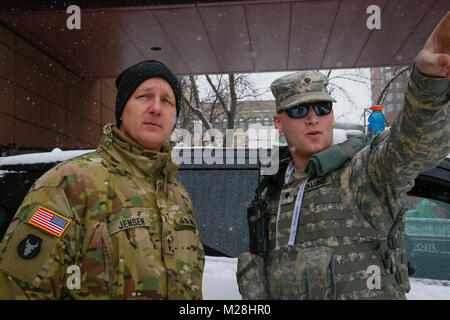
x,y
132,231
352,219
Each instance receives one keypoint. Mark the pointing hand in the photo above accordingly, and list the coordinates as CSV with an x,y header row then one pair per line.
x,y
434,58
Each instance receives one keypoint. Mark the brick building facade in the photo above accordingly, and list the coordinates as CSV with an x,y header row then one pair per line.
x,y
248,113
45,105
394,98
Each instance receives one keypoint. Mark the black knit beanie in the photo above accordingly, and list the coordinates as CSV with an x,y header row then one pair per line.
x,y
132,77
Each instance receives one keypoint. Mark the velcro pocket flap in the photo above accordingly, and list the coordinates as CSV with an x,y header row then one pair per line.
x,y
29,253
184,221
313,266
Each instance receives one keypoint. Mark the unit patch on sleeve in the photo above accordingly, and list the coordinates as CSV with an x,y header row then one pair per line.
x,y
29,247
49,221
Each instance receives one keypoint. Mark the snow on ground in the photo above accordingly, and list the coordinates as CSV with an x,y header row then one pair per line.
x,y
219,279
219,283
429,289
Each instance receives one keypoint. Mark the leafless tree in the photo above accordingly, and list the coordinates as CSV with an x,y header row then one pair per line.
x,y
357,77
192,103
385,88
222,97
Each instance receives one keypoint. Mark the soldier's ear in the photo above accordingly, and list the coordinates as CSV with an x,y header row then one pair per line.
x,y
277,123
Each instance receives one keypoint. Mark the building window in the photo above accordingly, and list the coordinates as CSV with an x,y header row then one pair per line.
x,y
225,124
216,124
389,108
389,97
266,121
258,120
242,123
388,76
250,121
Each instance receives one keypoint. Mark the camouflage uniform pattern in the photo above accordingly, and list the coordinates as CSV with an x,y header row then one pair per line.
x,y
300,87
353,217
253,285
132,231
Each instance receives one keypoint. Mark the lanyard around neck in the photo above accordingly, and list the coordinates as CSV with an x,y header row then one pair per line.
x,y
298,204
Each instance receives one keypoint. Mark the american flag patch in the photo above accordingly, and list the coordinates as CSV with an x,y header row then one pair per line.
x,y
49,221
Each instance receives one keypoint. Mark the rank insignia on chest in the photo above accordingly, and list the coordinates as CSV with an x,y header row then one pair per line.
x,y
49,221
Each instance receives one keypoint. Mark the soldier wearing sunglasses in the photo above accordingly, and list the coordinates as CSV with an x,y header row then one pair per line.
x,y
337,233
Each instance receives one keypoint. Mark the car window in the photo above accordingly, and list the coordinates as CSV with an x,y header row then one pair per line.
x,y
427,208
427,238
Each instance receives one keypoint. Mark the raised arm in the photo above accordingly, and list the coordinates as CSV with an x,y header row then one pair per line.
x,y
420,138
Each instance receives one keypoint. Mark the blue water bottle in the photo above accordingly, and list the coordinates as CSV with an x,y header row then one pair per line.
x,y
376,122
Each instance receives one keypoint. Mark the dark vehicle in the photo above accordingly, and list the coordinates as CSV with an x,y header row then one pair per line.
x,y
222,192
427,229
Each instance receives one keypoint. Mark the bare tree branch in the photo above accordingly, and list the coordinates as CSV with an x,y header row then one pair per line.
x,y
233,102
194,90
351,75
383,92
222,98
216,91
199,113
350,79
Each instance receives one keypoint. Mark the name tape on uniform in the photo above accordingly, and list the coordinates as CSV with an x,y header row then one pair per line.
x,y
128,223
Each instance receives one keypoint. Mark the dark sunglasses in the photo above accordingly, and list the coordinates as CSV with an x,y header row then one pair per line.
x,y
321,108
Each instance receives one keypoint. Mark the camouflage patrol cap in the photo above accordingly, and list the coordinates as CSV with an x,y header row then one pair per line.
x,y
300,87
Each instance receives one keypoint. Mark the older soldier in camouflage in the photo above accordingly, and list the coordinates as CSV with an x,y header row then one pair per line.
x,y
348,242
126,222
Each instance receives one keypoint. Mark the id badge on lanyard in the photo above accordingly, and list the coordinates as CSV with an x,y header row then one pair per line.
x,y
298,204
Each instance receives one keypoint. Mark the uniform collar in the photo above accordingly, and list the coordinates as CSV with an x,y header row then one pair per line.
x,y
124,155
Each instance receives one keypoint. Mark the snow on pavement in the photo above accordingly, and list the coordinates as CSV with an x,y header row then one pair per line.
x,y
219,279
219,283
429,289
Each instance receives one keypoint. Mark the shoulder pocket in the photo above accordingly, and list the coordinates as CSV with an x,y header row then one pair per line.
x,y
29,253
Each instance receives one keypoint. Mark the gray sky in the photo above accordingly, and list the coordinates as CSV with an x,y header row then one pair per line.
x,y
344,110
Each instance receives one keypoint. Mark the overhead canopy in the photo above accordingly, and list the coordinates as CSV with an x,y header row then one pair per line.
x,y
198,37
